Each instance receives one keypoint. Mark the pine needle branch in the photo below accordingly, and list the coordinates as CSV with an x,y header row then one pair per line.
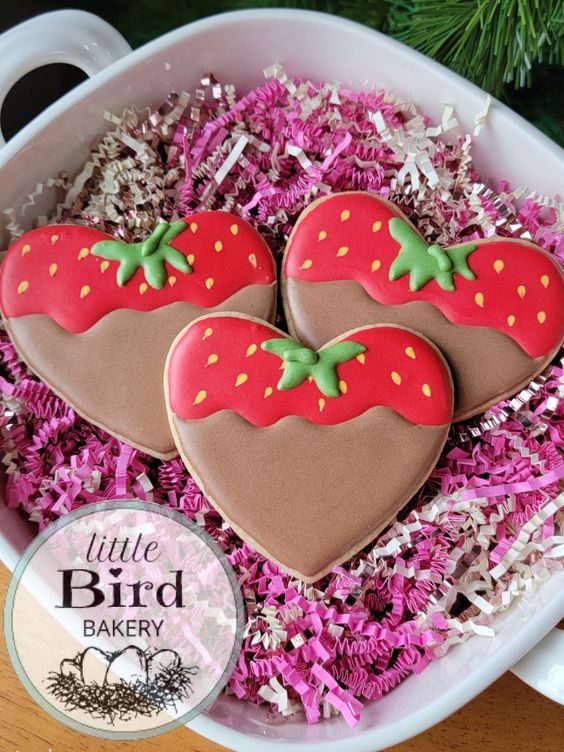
x,y
490,42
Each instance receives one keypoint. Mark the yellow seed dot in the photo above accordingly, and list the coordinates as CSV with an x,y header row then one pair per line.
x,y
376,264
377,226
511,320
200,397
321,404
193,226
410,352
143,287
282,366
241,379
343,250
361,359
268,391
83,253
210,282
22,287
251,350
521,290
218,245
84,291
479,299
343,386
104,265
498,265
52,269
545,279
208,333
54,239
307,264
26,249
426,389
190,258
171,280
213,358
396,378
253,260
322,235
234,229
345,214
541,317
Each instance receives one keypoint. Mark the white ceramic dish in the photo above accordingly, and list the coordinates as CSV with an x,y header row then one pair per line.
x,y
236,47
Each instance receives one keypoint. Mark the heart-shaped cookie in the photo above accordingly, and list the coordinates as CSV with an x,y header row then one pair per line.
x,y
95,318
494,307
307,454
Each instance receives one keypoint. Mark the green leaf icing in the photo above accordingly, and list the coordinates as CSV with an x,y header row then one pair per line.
x,y
293,375
424,263
281,346
303,355
151,254
302,363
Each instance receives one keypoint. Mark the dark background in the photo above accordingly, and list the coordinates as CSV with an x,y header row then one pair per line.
x,y
141,20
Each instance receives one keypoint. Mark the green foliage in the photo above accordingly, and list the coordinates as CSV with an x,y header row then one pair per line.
x,y
511,48
490,42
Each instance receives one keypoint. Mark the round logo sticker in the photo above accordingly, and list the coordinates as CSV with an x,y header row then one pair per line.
x,y
123,620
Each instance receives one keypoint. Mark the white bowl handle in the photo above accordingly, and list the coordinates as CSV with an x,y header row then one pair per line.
x,y
543,666
65,36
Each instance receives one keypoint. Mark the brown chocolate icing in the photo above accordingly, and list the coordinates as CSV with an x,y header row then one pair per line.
x,y
486,365
306,495
112,374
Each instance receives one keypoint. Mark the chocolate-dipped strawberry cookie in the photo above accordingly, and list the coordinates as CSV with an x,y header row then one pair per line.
x,y
94,317
307,454
494,307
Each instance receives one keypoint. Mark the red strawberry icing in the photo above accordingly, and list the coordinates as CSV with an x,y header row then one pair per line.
x,y
517,288
54,271
218,363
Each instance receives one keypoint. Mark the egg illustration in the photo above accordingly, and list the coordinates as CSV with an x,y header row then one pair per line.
x,y
128,665
163,661
94,665
70,667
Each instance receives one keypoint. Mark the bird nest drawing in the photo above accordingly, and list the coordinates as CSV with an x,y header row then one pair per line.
x,y
122,685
